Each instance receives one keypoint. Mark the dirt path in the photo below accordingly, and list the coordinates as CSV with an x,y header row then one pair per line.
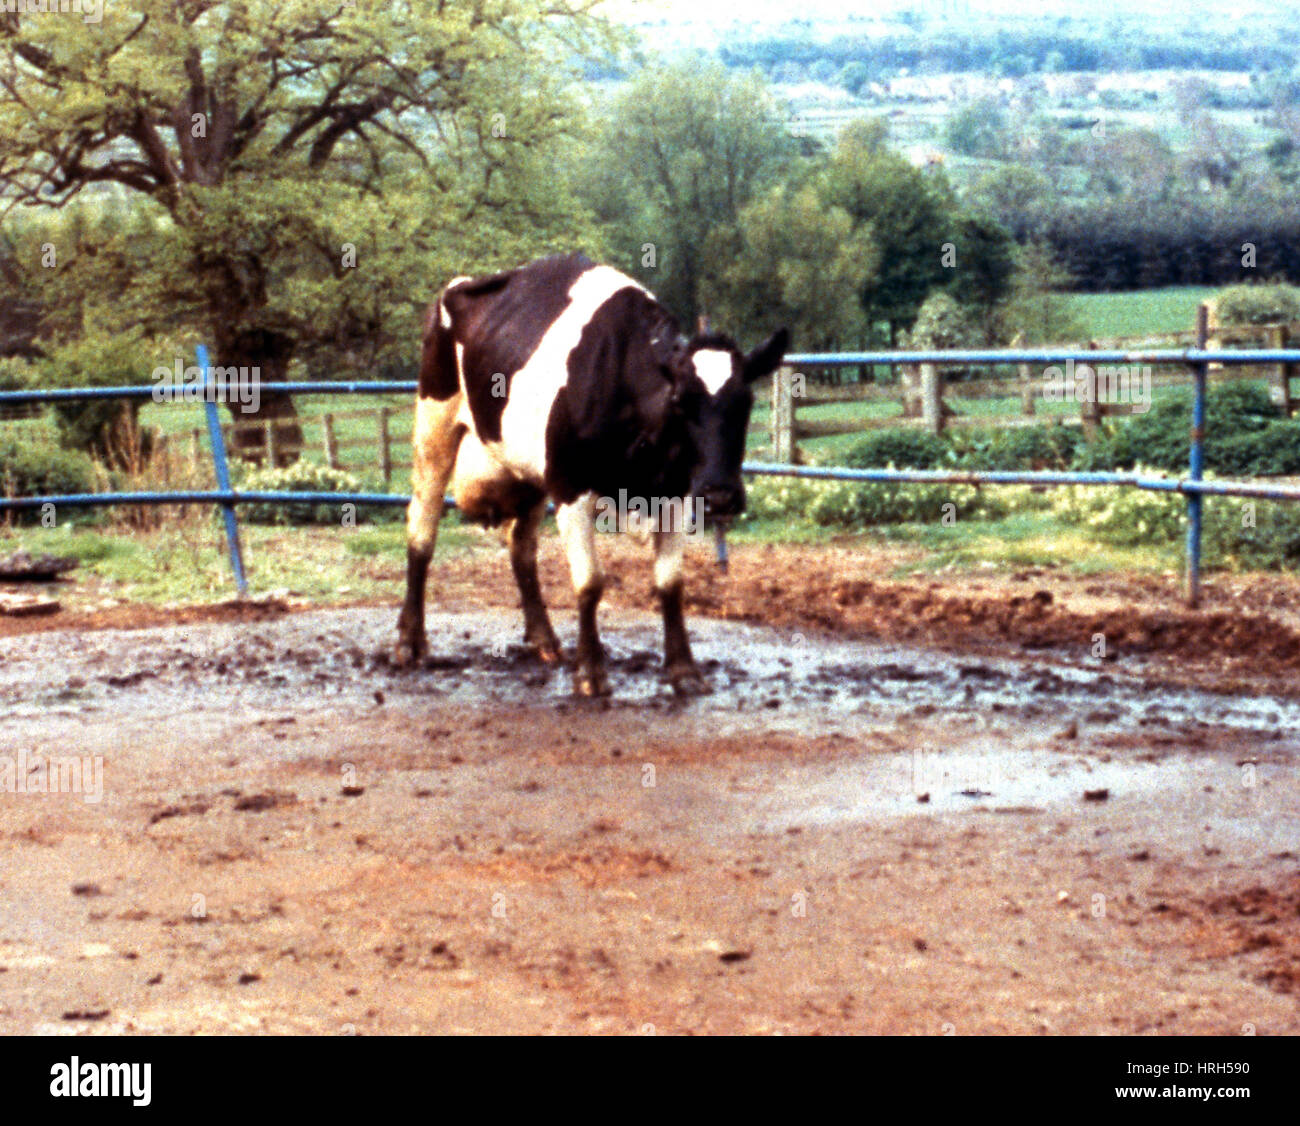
x,y
847,836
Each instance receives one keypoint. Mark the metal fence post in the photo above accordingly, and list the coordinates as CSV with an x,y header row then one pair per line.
x,y
1196,462
219,464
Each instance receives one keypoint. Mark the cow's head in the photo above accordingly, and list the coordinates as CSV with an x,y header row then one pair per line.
x,y
713,396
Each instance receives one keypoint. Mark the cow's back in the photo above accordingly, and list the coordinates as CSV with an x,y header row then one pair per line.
x,y
499,323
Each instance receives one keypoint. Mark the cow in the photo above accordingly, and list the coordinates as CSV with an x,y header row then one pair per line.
x,y
567,381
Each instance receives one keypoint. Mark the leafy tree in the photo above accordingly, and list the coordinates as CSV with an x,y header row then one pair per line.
x,y
792,260
978,128
855,76
684,148
911,215
1039,309
1012,195
985,271
292,168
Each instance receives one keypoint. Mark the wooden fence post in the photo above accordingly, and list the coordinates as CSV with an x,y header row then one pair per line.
x,y
1089,407
385,447
1280,380
932,398
331,444
1027,403
270,443
783,443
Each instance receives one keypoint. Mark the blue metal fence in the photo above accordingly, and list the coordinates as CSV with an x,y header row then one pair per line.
x,y
1192,486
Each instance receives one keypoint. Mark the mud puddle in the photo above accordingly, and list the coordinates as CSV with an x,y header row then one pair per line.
x,y
982,735
760,677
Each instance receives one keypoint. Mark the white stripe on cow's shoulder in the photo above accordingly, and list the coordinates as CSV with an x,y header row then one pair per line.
x,y
443,316
535,385
713,366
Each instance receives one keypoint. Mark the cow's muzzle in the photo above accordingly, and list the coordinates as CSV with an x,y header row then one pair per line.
x,y
723,500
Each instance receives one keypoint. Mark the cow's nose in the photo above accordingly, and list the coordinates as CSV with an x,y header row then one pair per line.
x,y
723,500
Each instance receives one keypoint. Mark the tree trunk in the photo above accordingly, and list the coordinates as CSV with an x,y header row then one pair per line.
x,y
269,352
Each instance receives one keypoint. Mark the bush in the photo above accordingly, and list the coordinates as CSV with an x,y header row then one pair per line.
x,y
869,504
303,477
31,469
1020,447
1240,419
1273,451
902,449
855,505
1257,304
1252,535
1126,517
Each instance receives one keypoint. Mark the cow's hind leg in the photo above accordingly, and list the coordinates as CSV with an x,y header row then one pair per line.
x,y
538,634
578,533
434,445
680,669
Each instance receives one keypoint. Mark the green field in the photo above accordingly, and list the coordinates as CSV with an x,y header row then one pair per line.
x,y
1144,311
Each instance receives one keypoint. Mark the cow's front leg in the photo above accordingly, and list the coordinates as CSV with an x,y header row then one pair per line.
x,y
680,669
578,534
538,634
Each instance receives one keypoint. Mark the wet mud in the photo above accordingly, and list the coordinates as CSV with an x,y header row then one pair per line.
x,y
846,835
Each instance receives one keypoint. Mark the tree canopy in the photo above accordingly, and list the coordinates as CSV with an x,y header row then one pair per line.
x,y
300,176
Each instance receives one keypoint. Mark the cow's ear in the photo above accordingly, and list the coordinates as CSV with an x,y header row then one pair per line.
x,y
766,358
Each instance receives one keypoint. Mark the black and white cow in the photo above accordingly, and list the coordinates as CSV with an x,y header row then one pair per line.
x,y
568,381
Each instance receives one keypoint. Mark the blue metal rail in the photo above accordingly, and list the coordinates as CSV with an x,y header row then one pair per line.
x,y
1192,486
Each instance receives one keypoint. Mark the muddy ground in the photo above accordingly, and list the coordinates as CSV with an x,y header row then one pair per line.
x,y
907,807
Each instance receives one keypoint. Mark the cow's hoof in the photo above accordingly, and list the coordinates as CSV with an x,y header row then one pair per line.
x,y
408,653
590,682
546,649
687,680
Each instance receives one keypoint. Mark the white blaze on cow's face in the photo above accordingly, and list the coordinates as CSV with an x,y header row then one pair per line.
x,y
714,366
717,422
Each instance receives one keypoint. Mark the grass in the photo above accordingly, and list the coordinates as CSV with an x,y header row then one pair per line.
x,y
1148,311
185,560
1026,539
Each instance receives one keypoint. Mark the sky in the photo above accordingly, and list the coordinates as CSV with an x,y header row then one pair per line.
x,y
725,11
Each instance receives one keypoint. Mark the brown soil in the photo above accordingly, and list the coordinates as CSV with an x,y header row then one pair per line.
x,y
295,838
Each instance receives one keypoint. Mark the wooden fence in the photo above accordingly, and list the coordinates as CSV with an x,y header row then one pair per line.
x,y
924,391
336,448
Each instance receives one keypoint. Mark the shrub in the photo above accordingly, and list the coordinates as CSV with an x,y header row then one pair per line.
x,y
1020,447
1126,517
1239,417
941,323
1257,304
1273,451
30,469
1251,535
902,449
869,504
302,477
